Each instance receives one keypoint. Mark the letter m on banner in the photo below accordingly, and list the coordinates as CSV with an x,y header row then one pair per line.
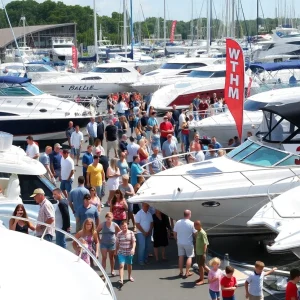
x,y
235,82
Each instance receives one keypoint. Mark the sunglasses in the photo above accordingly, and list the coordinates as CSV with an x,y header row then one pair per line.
x,y
92,190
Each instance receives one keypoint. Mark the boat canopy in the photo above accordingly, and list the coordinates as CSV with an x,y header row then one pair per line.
x,y
285,65
14,79
281,123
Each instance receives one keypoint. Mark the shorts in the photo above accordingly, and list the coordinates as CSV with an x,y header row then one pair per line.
x,y
214,295
109,247
118,222
66,185
201,260
251,297
130,207
229,298
185,250
75,152
125,259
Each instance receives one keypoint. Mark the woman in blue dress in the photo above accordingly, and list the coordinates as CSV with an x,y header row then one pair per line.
x,y
155,138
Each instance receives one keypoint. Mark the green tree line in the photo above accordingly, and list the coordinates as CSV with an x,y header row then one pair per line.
x,y
50,12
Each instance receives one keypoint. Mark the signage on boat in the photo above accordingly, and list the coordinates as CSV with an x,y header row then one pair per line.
x,y
82,88
235,82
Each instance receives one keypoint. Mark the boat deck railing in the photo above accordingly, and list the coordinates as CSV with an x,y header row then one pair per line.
x,y
245,173
107,283
291,180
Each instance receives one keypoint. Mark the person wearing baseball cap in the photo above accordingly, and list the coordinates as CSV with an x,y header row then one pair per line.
x,y
46,215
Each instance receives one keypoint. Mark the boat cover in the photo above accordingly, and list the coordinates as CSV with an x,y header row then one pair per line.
x,y
285,65
14,79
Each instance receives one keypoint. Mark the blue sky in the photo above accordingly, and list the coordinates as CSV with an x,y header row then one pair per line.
x,y
181,9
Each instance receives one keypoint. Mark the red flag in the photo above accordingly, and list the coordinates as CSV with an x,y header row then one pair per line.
x,y
235,82
173,31
249,87
74,57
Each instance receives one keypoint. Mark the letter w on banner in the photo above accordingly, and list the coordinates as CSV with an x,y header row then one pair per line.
x,y
74,57
235,82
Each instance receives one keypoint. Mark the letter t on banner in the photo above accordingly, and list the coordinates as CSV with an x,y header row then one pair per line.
x,y
235,83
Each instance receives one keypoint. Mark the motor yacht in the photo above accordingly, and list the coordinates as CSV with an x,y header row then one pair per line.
x,y
171,71
103,80
61,49
285,41
225,192
19,176
26,110
204,81
46,263
34,71
282,216
223,126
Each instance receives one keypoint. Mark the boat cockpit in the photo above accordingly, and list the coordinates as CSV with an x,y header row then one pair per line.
x,y
17,86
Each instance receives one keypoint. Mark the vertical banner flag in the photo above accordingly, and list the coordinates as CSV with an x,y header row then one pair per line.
x,y
74,57
173,31
235,82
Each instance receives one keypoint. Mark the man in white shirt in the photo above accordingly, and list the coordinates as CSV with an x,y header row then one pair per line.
x,y
184,232
91,129
132,150
67,173
144,225
76,142
32,149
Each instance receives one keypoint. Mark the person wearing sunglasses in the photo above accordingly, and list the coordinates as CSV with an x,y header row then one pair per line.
x,y
119,207
95,200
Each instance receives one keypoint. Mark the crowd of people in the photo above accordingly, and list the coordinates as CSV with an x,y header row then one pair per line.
x,y
117,169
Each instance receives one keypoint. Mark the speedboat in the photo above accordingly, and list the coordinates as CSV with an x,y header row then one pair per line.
x,y
282,216
225,192
204,81
19,176
45,263
25,110
223,126
172,71
103,80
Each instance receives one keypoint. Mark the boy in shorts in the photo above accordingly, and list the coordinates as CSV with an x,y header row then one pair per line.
x,y
228,284
254,283
291,292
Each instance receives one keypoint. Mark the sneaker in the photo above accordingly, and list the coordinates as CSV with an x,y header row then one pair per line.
x,y
102,205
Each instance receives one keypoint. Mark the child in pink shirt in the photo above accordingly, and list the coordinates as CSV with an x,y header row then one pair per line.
x,y
214,278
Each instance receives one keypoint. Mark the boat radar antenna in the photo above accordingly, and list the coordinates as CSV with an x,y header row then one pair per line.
x,y
13,33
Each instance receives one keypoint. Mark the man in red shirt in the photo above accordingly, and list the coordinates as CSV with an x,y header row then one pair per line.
x,y
203,106
165,128
291,292
228,284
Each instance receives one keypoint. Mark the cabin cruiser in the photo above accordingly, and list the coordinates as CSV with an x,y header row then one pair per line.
x,y
34,71
223,126
19,176
25,110
173,69
285,41
45,262
204,82
61,49
103,80
282,216
225,192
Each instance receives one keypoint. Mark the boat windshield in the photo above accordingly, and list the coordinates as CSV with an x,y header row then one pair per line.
x,y
39,68
207,74
109,70
172,66
26,89
251,105
63,46
259,155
